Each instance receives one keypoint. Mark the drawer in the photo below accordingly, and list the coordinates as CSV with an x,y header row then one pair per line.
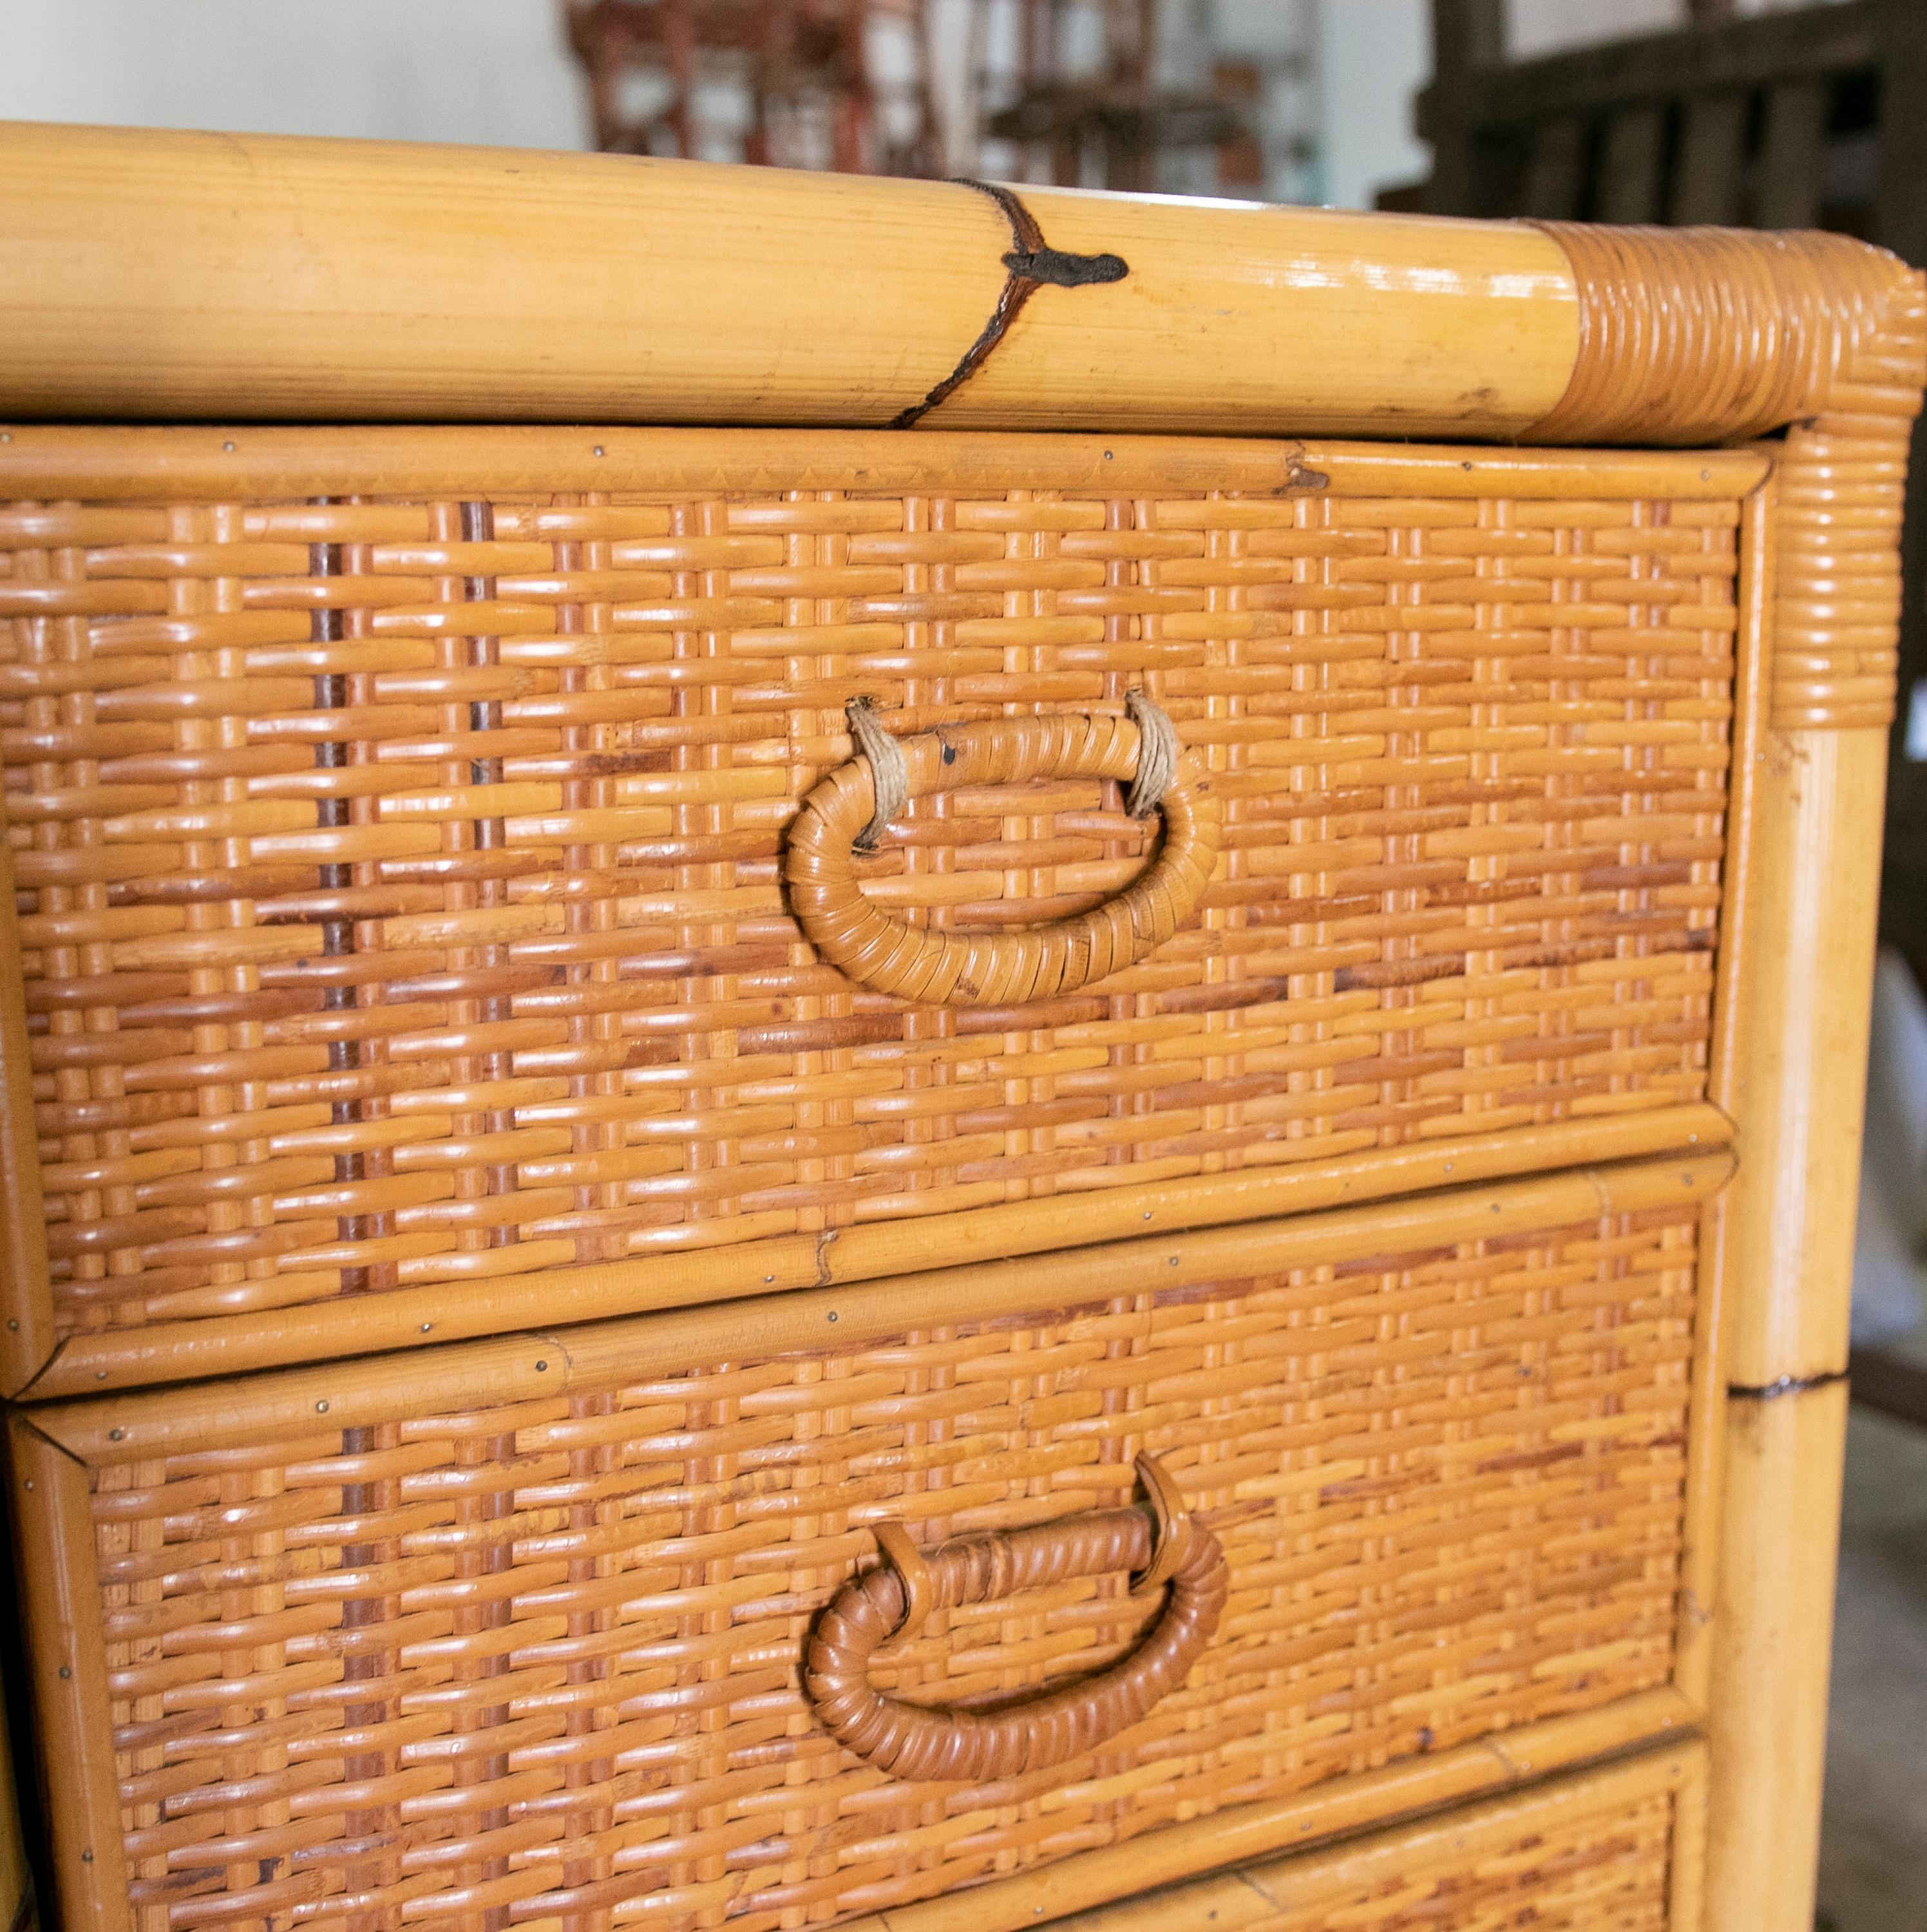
x,y
414,905
555,1624
1608,1851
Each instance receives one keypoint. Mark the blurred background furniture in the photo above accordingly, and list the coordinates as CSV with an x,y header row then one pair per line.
x,y
1118,93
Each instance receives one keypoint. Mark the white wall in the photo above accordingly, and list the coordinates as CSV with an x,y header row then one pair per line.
x,y
1373,56
495,72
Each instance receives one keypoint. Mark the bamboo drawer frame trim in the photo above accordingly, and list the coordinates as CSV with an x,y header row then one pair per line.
x,y
246,462
109,1430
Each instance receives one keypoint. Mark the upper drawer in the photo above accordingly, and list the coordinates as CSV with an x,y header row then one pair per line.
x,y
400,839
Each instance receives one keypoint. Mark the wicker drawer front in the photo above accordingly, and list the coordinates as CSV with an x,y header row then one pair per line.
x,y
519,1623
1614,1851
401,879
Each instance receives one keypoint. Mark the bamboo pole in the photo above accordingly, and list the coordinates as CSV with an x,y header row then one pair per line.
x,y
1808,909
362,1394
413,1318
152,274
1768,1723
94,463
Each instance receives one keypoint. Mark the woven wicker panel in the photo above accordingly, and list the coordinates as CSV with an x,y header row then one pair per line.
x,y
399,882
1604,1873
1602,1865
544,1658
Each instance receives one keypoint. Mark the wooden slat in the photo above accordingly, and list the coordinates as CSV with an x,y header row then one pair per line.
x,y
1790,157
1554,176
1706,186
1630,165
1889,1383
1466,35
1729,55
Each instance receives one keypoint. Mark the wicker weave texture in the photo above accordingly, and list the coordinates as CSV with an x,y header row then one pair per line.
x,y
1606,1872
1591,1854
400,881
541,1659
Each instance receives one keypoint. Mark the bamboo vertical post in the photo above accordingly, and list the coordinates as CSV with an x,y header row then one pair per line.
x,y
1809,909
1804,902
1467,35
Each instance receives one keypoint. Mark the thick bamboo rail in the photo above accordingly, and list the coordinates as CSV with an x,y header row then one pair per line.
x,y
157,275
1805,898
1780,1530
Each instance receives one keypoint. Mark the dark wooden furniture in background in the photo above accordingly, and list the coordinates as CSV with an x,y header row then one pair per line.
x,y
1810,117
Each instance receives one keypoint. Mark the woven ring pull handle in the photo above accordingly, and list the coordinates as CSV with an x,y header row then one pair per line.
x,y
841,816
1161,1546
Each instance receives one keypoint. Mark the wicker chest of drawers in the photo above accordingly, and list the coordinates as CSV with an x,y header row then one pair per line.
x,y
1014,1134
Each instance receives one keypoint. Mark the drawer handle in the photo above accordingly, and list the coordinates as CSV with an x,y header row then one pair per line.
x,y
1157,1541
847,810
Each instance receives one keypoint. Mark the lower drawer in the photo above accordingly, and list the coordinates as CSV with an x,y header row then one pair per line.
x,y
547,1628
1610,1851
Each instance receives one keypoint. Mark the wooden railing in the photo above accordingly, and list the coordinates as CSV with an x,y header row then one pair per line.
x,y
1771,121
